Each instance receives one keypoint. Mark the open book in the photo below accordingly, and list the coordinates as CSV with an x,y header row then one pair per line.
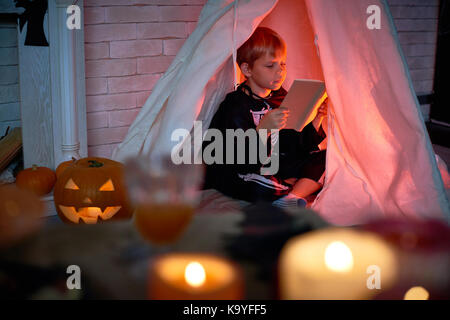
x,y
303,99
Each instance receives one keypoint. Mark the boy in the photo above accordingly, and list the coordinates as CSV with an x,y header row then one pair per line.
x,y
255,106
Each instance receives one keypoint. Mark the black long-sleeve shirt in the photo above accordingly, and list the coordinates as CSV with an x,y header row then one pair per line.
x,y
242,111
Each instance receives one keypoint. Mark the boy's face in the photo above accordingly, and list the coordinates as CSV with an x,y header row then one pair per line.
x,y
268,73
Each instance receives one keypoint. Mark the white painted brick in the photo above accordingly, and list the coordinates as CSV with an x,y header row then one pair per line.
x,y
96,86
421,62
413,2
141,98
425,86
9,93
172,46
106,135
107,32
154,22
406,12
110,102
102,151
9,75
94,15
122,118
417,37
415,50
135,48
99,3
98,50
110,68
132,83
416,24
8,37
132,14
97,120
8,56
161,30
180,13
10,111
154,64
190,27
422,74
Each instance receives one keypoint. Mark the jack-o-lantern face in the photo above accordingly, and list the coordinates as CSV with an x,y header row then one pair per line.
x,y
92,188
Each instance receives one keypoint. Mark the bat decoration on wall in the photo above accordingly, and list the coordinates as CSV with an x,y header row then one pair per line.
x,y
34,15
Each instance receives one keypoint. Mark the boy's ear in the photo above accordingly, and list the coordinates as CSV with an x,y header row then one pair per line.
x,y
245,68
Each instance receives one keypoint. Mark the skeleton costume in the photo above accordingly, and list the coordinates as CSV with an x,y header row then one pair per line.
x,y
299,155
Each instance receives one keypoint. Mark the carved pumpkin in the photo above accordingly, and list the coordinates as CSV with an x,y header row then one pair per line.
x,y
21,214
39,180
91,190
63,165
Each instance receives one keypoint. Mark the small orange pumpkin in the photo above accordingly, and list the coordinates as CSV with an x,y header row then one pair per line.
x,y
21,214
91,190
39,180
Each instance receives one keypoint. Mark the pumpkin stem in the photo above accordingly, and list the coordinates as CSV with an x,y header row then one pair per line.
x,y
95,164
34,167
74,159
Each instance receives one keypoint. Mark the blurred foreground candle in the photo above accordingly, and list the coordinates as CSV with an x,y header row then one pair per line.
x,y
335,264
417,293
189,276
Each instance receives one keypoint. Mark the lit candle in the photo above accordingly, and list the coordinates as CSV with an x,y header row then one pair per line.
x,y
186,276
417,293
335,264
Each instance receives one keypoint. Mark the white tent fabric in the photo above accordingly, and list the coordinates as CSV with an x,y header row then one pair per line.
x,y
379,160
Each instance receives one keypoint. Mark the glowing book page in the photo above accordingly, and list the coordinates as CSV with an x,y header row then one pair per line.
x,y
303,99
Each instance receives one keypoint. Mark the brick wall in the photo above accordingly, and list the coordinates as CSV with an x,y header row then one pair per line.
x,y
416,22
9,77
130,43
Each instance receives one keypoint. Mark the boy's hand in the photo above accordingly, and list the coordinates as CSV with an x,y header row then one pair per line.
x,y
274,119
321,114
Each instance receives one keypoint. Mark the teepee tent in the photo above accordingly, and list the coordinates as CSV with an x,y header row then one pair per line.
x,y
379,157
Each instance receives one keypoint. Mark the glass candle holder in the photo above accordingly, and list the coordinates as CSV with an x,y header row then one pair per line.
x,y
164,196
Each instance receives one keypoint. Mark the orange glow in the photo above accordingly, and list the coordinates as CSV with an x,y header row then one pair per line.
x,y
107,186
417,293
71,185
89,215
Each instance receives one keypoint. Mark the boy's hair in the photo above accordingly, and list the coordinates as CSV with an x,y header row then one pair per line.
x,y
263,40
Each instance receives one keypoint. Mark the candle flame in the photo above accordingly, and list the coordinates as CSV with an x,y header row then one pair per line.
x,y
417,293
338,257
195,274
